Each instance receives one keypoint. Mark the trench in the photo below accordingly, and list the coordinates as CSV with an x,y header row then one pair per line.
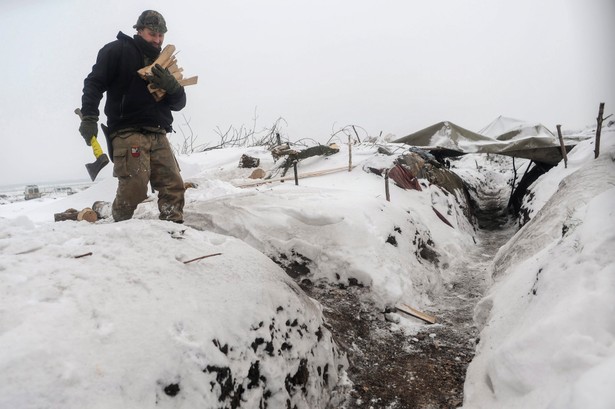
x,y
390,369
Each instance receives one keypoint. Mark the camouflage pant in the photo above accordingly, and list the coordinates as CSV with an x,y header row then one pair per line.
x,y
140,157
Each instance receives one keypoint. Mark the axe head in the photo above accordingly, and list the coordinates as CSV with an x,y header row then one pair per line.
x,y
95,167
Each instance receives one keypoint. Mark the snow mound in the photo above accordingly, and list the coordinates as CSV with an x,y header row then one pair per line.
x,y
549,332
130,324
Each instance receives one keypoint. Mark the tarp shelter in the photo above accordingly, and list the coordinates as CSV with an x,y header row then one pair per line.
x,y
504,136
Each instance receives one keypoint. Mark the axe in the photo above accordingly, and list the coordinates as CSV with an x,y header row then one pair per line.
x,y
101,158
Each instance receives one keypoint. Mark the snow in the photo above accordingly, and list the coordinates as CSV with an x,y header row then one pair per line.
x,y
133,325
503,128
549,325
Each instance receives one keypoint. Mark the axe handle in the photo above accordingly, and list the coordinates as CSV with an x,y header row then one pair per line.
x,y
96,147
94,142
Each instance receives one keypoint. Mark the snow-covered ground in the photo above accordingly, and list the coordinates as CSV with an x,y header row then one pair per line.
x,y
133,325
549,319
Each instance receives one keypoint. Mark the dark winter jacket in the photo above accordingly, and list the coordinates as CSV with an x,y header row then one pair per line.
x,y
129,102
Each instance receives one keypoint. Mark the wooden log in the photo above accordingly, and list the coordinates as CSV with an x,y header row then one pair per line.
x,y
88,215
102,209
247,161
68,214
416,313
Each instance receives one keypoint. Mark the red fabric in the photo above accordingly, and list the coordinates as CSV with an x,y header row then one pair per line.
x,y
404,178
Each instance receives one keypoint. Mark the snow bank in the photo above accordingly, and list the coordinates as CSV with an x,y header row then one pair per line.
x,y
340,228
549,333
132,325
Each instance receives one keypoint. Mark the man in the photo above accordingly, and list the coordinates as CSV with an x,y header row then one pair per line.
x,y
137,123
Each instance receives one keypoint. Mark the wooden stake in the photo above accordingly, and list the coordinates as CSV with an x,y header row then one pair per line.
x,y
599,130
83,255
416,313
296,174
562,146
386,185
349,153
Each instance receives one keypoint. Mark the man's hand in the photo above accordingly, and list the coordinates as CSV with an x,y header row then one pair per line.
x,y
163,79
88,128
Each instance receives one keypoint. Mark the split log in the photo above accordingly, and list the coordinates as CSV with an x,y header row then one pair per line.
x,y
167,60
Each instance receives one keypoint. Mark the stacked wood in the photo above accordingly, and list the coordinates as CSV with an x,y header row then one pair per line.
x,y
86,214
167,59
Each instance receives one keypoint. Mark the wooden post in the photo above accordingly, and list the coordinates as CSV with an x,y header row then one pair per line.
x,y
296,174
514,181
386,185
599,130
349,153
561,144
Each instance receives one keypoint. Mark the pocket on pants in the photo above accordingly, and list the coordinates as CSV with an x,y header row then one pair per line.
x,y
120,163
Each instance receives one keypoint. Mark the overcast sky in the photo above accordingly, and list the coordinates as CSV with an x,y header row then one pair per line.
x,y
393,66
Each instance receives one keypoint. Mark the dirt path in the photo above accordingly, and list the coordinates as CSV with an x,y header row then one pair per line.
x,y
392,370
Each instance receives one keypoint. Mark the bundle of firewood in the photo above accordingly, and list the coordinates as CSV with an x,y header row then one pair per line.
x,y
167,60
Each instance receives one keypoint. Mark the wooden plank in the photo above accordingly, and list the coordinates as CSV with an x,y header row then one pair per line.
x,y
430,319
301,176
189,81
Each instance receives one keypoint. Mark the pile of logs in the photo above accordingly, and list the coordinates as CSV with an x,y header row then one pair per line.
x,y
167,60
99,210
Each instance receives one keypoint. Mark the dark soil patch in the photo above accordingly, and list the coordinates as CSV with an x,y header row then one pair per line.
x,y
389,368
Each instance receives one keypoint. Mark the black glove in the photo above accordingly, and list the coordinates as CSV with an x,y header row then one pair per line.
x,y
163,79
88,128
